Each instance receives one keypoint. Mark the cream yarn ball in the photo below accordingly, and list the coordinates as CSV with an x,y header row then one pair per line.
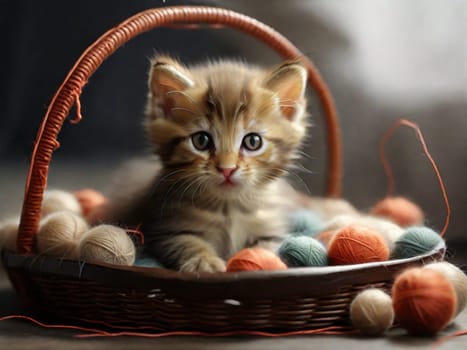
x,y
371,311
109,244
458,280
59,234
58,200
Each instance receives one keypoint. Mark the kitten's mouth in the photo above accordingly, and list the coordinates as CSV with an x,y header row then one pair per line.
x,y
228,182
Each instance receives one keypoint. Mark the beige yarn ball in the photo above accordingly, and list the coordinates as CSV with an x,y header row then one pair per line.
x,y
458,279
339,221
109,244
329,208
59,234
9,233
371,312
57,200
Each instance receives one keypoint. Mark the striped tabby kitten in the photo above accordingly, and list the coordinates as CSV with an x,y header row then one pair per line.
x,y
225,133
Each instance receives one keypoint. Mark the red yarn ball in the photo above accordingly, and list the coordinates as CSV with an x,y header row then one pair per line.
x,y
254,259
400,210
424,301
90,200
356,245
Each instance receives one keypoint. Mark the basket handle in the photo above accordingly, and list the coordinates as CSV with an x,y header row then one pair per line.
x,y
70,91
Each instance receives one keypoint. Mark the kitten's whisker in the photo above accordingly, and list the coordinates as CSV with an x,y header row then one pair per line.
x,y
159,181
167,194
200,185
186,189
306,155
300,167
301,180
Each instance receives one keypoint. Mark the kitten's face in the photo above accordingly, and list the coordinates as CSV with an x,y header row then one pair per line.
x,y
225,129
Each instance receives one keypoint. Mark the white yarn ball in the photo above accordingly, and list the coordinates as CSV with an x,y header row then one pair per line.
x,y
9,233
340,221
59,234
329,208
371,312
109,244
57,200
458,279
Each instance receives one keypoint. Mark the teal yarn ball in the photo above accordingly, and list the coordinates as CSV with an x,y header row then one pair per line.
x,y
415,241
147,261
298,251
305,223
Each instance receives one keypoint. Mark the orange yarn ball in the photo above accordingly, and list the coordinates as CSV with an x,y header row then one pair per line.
x,y
424,301
356,245
89,200
254,259
400,210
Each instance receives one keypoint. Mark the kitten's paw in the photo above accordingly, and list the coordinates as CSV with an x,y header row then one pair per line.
x,y
204,263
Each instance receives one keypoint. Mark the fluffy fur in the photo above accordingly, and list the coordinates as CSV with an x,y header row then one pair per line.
x,y
200,206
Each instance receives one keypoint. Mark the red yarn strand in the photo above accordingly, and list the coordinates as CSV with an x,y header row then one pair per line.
x,y
78,116
444,339
45,325
332,330
93,333
390,175
137,232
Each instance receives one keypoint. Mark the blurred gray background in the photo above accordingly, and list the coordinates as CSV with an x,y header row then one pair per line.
x,y
382,59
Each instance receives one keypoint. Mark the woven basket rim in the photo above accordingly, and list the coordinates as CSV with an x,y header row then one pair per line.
x,y
15,260
274,284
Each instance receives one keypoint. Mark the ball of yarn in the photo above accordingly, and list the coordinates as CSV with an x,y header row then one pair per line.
x,y
424,301
371,311
298,251
254,259
339,222
57,200
415,241
305,222
329,208
147,261
109,244
387,229
355,245
59,234
89,200
9,233
400,210
458,279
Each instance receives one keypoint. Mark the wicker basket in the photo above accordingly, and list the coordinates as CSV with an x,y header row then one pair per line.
x,y
294,299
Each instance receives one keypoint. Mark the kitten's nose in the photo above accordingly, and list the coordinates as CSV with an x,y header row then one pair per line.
x,y
227,172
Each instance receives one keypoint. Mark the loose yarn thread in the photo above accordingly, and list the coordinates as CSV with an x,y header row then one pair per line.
x,y
389,173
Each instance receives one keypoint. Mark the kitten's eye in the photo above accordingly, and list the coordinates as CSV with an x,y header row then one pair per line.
x,y
201,140
252,142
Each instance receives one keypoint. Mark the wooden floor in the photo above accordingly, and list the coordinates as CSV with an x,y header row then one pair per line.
x,y
19,334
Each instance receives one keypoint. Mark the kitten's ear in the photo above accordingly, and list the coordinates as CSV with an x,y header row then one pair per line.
x,y
166,76
288,81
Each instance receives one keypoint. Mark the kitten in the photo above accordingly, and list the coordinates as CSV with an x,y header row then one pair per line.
x,y
225,134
